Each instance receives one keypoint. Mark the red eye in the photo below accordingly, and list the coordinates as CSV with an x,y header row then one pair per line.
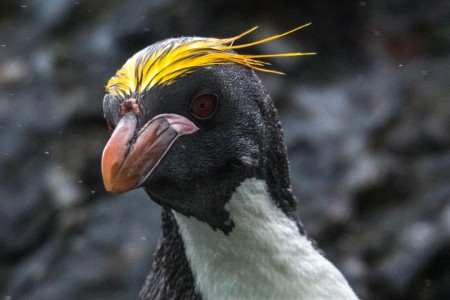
x,y
204,106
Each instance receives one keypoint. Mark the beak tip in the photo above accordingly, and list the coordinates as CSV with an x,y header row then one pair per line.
x,y
118,187
108,188
108,185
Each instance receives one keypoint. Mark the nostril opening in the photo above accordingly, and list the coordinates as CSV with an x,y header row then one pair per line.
x,y
129,105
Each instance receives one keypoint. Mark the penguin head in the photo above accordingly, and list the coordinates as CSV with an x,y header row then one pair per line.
x,y
190,121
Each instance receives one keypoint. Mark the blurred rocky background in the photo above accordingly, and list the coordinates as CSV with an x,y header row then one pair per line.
x,y
367,124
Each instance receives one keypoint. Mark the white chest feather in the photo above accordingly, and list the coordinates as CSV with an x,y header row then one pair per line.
x,y
264,257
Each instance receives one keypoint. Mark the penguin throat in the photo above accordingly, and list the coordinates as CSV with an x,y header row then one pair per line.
x,y
264,257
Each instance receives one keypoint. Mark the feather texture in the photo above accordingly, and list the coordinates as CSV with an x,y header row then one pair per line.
x,y
164,62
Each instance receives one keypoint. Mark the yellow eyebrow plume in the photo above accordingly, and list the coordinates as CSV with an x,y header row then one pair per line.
x,y
164,62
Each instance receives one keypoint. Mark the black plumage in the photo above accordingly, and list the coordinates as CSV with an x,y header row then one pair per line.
x,y
253,133
191,123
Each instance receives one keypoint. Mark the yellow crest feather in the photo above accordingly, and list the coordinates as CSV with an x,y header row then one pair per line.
x,y
163,63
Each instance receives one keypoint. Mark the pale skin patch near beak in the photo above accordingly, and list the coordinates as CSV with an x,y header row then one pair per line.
x,y
129,158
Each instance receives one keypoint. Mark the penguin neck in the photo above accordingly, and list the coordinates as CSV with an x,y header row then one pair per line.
x,y
265,256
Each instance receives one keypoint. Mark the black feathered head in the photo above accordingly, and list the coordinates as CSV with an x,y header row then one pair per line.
x,y
190,121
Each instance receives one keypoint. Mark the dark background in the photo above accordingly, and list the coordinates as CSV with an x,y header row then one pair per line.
x,y
366,120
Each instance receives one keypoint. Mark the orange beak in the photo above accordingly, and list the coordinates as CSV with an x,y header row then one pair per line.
x,y
129,157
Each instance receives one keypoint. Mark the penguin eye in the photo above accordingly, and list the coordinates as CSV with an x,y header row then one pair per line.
x,y
204,106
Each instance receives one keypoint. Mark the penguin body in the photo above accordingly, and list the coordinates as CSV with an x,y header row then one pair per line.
x,y
204,141
264,248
